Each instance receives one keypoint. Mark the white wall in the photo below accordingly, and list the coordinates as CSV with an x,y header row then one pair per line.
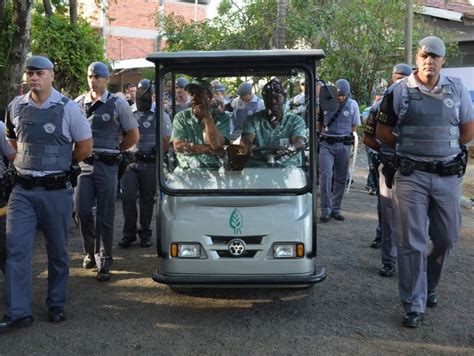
x,y
465,73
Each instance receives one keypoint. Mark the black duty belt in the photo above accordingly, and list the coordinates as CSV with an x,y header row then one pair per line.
x,y
108,158
450,168
147,158
347,140
49,182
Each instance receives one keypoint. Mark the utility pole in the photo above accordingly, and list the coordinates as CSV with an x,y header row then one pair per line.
x,y
409,32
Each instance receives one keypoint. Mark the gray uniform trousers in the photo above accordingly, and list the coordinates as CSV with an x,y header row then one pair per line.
x,y
426,206
49,210
97,184
336,155
138,182
3,237
388,241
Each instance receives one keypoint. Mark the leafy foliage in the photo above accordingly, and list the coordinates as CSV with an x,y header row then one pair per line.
x,y
362,39
70,47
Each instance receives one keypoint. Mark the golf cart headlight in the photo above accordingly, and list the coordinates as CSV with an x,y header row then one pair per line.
x,y
189,250
284,251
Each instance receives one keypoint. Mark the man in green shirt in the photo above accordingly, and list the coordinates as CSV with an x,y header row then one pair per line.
x,y
274,128
199,133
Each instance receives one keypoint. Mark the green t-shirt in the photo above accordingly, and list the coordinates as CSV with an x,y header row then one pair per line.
x,y
186,127
265,135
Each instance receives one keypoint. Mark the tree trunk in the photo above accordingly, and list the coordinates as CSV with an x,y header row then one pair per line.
x,y
73,11
48,9
3,14
281,20
21,18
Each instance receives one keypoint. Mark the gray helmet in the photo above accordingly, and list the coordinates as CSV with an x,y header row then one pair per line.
x,y
343,87
145,89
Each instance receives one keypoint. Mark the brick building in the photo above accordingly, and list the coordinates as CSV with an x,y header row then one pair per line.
x,y
130,30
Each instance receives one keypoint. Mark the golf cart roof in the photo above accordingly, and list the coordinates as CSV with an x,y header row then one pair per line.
x,y
236,56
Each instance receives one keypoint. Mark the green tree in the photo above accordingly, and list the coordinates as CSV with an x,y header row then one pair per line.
x,y
70,47
362,39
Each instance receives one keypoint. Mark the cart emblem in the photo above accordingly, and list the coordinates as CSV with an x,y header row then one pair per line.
x,y
235,221
236,247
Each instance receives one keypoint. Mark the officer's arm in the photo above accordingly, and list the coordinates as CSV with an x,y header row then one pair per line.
x,y
82,149
129,139
369,132
466,131
386,121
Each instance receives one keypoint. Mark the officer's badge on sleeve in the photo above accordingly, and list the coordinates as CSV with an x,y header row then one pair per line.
x,y
49,128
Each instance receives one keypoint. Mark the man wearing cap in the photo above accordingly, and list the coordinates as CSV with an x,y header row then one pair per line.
x,y
297,103
274,128
114,130
386,156
139,180
182,97
335,129
49,132
244,106
199,133
426,117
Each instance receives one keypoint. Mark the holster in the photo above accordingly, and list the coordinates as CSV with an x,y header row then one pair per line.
x,y
126,159
389,168
8,181
74,172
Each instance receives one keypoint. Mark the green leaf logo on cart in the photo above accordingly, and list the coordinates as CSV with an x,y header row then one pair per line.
x,y
236,221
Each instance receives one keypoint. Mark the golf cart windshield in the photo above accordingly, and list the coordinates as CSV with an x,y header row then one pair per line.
x,y
261,110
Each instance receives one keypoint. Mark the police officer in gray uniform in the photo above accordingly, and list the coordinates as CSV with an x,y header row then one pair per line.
x,y
432,116
114,130
8,152
244,106
139,181
49,131
386,157
335,129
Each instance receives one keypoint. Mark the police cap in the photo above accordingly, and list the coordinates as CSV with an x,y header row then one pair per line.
x,y
182,82
99,69
39,62
433,45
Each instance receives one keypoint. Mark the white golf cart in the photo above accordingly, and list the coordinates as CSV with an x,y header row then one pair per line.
x,y
255,225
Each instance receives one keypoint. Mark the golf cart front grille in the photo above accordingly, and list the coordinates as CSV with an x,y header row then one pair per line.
x,y
222,245
249,240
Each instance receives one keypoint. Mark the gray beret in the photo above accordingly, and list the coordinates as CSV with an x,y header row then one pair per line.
x,y
402,68
182,82
343,87
39,62
99,69
433,45
244,89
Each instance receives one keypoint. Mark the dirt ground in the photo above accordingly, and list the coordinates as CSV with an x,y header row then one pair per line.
x,y
353,311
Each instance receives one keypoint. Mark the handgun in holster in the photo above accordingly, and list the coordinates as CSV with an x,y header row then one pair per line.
x,y
389,168
74,172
